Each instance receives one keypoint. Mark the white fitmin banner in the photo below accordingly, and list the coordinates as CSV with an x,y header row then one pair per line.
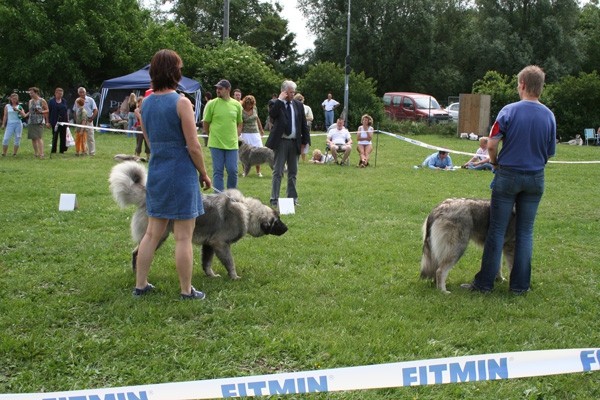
x,y
412,373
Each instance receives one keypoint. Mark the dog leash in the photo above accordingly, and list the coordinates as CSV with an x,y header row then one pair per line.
x,y
224,194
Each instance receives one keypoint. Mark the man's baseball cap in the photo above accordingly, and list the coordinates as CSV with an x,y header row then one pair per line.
x,y
223,83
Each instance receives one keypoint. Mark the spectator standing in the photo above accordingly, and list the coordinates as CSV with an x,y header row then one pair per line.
x,y
252,130
237,94
131,117
81,118
139,136
92,111
172,188
12,123
527,130
206,97
309,119
269,122
58,112
438,160
38,113
364,136
329,104
222,122
288,134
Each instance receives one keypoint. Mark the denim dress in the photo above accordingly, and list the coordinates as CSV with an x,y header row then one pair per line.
x,y
172,187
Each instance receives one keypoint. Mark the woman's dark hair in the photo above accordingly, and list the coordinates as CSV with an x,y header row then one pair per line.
x,y
165,70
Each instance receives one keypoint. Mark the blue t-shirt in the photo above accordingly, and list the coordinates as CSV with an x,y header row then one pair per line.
x,y
528,133
434,161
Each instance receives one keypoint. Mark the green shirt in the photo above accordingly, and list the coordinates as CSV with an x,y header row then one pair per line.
x,y
224,116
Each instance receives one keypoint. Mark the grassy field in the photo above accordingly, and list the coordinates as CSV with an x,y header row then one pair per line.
x,y
341,288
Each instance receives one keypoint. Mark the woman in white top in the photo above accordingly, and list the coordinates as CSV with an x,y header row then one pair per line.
x,y
252,130
363,138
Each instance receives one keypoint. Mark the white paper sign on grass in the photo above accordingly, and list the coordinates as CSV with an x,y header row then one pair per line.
x,y
68,202
286,206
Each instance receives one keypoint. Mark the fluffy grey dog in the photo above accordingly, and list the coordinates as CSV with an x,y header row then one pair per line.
x,y
227,217
250,155
446,234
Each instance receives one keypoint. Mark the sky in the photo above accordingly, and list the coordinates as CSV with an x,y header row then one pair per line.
x,y
297,24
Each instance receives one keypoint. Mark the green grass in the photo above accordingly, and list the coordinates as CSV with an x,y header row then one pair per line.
x,y
341,288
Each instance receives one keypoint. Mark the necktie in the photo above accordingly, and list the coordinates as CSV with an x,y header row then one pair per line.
x,y
288,126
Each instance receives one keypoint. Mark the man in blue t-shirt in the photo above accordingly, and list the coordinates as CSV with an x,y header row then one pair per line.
x,y
527,130
438,160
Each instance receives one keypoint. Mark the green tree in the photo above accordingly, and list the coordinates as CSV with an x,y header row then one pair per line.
x,y
501,88
575,101
329,77
515,33
68,42
244,67
253,22
402,44
589,35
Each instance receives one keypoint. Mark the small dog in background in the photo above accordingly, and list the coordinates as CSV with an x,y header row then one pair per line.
x,y
250,156
578,141
446,234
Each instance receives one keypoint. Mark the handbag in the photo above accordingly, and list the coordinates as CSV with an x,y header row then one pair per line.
x,y
69,137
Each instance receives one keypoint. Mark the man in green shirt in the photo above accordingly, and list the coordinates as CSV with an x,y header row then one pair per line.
x,y
222,122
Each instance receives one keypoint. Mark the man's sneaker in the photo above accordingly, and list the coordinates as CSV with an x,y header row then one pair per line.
x,y
140,292
471,287
194,295
273,203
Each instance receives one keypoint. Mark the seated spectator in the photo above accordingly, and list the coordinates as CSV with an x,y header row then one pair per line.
x,y
320,158
339,140
364,135
116,121
438,160
481,159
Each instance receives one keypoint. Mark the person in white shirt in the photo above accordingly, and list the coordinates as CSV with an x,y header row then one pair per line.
x,y
92,111
364,135
339,141
481,159
329,104
309,119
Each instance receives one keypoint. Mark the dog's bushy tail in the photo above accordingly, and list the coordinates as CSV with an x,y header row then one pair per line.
x,y
128,184
428,266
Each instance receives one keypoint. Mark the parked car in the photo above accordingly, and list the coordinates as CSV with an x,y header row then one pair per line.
x,y
453,111
414,106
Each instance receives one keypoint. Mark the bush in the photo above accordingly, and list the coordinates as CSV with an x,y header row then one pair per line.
x,y
406,128
328,77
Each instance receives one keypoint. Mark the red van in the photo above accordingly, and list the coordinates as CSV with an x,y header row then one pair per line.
x,y
414,106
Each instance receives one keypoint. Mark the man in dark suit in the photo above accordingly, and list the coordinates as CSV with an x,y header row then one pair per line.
x,y
288,134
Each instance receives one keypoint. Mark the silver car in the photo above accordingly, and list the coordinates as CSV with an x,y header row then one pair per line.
x,y
453,111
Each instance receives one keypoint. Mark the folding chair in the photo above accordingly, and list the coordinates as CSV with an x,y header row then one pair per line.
x,y
589,134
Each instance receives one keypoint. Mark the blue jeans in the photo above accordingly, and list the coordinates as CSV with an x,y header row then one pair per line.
x,y
328,119
523,190
480,167
221,160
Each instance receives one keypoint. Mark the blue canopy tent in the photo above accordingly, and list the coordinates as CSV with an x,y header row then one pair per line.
x,y
140,80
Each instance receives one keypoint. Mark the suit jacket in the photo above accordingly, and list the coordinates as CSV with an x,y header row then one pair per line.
x,y
280,121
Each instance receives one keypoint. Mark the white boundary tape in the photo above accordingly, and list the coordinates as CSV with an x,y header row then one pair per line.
x,y
428,146
486,367
400,137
